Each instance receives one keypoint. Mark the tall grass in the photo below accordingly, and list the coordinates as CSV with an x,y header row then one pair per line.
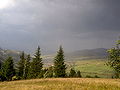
x,y
62,84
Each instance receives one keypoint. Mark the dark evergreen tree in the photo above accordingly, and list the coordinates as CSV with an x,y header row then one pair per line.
x,y
1,59
59,64
0,71
72,73
8,70
2,78
26,66
20,66
36,65
78,74
0,64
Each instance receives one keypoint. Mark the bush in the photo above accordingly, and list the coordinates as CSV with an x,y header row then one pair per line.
x,y
78,74
15,78
49,72
72,73
96,76
88,76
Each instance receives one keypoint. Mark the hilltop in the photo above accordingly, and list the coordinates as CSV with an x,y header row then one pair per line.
x,y
87,54
98,53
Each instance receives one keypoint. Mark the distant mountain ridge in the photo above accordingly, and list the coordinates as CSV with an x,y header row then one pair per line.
x,y
87,54
97,53
4,53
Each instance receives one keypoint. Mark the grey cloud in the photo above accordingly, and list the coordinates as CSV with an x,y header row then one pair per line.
x,y
76,24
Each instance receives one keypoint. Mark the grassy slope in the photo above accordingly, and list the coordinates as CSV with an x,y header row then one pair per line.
x,y
62,84
93,67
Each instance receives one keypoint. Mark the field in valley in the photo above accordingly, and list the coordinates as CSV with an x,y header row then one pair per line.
x,y
93,67
62,84
90,67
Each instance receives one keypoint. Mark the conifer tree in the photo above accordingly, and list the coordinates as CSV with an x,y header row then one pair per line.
x,y
59,64
20,66
8,69
0,64
2,78
36,65
26,67
0,72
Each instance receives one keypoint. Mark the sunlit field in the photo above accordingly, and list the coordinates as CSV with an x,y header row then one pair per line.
x,y
94,67
62,84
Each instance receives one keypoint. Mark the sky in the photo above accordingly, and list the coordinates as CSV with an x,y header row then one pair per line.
x,y
74,24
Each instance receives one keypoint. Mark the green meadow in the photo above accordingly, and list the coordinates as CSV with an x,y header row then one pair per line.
x,y
93,67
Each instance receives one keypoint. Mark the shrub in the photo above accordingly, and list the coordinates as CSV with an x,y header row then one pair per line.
x,y
15,78
96,76
88,76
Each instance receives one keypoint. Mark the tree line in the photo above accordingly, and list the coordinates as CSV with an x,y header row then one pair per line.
x,y
31,68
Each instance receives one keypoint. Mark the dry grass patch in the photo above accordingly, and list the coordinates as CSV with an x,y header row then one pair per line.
x,y
62,84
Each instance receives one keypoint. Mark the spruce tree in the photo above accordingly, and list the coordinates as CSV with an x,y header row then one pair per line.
x,y
8,69
26,67
20,66
0,64
59,64
36,65
2,78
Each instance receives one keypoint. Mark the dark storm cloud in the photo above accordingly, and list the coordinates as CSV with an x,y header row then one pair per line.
x,y
76,24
